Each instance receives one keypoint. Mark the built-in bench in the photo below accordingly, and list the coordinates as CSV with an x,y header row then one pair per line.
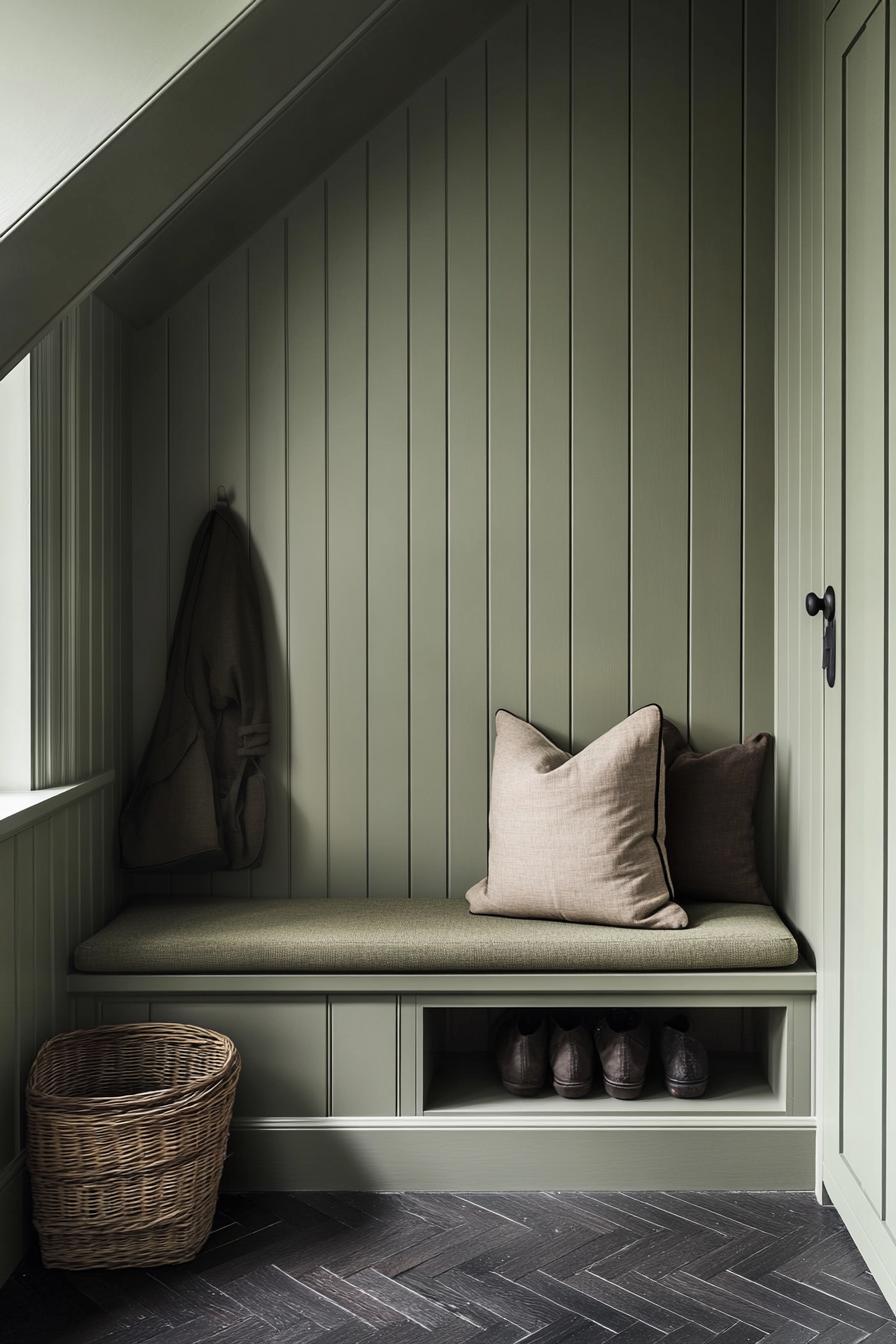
x,y
365,1030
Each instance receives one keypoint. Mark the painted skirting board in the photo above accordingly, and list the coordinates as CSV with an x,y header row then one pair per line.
x,y
410,1154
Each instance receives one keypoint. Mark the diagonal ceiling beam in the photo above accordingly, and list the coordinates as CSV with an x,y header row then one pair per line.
x,y
171,146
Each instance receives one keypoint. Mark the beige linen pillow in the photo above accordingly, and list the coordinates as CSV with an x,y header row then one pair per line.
x,y
582,837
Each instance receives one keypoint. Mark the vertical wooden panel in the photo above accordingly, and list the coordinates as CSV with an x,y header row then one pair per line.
x,y
757,636
25,969
149,538
307,505
600,328
716,366
800,691
468,721
122,609
784,359
77,722
267,522
387,511
549,368
659,355
188,484
363,1055
110,809
188,492
347,522
428,592
507,433
46,541
107,690
44,931
87,866
63,893
94,575
9,1047
228,374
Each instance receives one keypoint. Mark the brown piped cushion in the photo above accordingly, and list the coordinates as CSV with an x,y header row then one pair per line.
x,y
579,838
710,798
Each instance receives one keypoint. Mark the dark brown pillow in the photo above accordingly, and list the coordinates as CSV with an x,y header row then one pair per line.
x,y
710,797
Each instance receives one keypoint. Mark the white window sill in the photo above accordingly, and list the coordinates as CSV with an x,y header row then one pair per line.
x,y
19,810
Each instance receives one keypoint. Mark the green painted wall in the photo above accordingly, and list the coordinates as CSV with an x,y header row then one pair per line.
x,y
495,396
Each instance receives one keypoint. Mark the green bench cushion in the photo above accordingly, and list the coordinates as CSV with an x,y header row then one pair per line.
x,y
215,935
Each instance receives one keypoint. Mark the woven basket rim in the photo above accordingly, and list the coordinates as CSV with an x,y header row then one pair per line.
x,y
60,1103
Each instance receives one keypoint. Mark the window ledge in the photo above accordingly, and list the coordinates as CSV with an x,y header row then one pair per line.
x,y
19,810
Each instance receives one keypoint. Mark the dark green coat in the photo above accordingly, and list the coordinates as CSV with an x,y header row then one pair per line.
x,y
198,804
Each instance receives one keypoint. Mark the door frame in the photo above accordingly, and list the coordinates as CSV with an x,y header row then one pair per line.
x,y
876,1240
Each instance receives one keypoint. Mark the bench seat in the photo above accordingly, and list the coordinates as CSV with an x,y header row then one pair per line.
x,y
226,935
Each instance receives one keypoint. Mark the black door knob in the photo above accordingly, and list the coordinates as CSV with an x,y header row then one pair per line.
x,y
827,604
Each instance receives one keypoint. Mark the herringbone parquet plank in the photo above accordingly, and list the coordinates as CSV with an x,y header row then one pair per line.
x,y
337,1268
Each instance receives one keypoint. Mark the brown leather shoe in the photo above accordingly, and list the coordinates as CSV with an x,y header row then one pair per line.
x,y
571,1055
685,1062
623,1044
522,1054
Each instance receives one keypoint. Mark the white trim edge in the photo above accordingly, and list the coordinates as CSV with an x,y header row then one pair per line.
x,y
19,810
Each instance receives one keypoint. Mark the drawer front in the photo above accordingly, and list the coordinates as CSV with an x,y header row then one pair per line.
x,y
283,1045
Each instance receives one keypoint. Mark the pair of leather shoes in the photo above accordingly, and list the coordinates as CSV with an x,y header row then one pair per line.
x,y
530,1047
623,1044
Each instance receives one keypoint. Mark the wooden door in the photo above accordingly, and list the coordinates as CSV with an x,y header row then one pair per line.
x,y
855,1107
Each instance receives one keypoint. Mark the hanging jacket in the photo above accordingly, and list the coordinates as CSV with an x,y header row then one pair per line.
x,y
198,803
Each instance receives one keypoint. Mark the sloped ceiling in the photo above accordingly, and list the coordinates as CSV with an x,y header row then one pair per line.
x,y
228,142
72,74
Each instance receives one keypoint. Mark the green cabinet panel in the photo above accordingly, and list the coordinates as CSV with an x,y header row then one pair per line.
x,y
363,1055
282,1045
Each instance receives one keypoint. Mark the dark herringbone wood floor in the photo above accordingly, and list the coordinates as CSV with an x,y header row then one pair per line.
x,y
493,1269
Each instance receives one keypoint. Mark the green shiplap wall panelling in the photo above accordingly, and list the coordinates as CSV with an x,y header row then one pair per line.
x,y
495,398
80,492
57,878
799,692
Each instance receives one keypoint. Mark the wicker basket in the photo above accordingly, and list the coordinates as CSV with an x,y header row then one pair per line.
x,y
127,1135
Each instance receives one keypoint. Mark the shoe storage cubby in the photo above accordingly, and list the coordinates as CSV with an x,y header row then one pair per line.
x,y
755,1056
